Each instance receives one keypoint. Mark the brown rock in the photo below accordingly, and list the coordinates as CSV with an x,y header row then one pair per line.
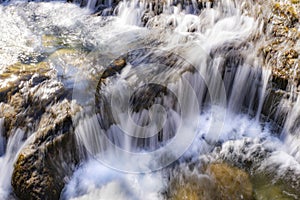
x,y
231,182
45,164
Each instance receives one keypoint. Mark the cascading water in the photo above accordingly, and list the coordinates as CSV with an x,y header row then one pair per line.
x,y
166,90
6,162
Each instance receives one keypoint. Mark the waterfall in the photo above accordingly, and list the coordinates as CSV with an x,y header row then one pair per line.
x,y
2,139
266,74
7,160
163,86
290,132
213,71
215,75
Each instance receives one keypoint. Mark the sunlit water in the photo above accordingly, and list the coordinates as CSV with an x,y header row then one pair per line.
x,y
220,108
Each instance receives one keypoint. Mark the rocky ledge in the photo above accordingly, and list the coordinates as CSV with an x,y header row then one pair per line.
x,y
35,101
44,166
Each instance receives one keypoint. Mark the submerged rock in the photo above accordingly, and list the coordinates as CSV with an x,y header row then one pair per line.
x,y
44,165
51,41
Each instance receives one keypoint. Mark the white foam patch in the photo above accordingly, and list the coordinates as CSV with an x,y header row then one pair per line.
x,y
95,181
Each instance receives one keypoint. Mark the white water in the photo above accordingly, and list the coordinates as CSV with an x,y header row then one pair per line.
x,y
122,171
7,160
2,138
220,123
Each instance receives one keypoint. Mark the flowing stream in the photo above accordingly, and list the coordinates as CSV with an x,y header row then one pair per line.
x,y
190,91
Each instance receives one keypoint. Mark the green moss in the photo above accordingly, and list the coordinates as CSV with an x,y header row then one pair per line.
x,y
265,189
220,181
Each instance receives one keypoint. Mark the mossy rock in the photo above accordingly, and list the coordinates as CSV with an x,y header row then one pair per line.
x,y
231,182
219,181
189,187
265,188
273,192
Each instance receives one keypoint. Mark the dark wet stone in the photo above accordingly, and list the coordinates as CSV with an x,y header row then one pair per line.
x,y
114,68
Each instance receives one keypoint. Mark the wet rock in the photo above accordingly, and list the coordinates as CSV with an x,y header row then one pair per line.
x,y
35,100
50,41
231,182
246,153
30,58
218,181
281,51
13,75
44,165
114,68
29,102
192,188
27,89
148,89
281,54
265,188
64,52
271,104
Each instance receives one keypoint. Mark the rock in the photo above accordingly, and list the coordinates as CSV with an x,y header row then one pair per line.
x,y
266,188
295,1
231,182
31,58
63,53
148,89
25,107
13,75
27,89
57,40
219,181
34,100
191,187
51,41
8,113
114,68
281,54
44,165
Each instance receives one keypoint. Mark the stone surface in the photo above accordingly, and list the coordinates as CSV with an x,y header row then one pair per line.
x,y
35,101
44,165
281,51
185,186
219,181
265,188
231,182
